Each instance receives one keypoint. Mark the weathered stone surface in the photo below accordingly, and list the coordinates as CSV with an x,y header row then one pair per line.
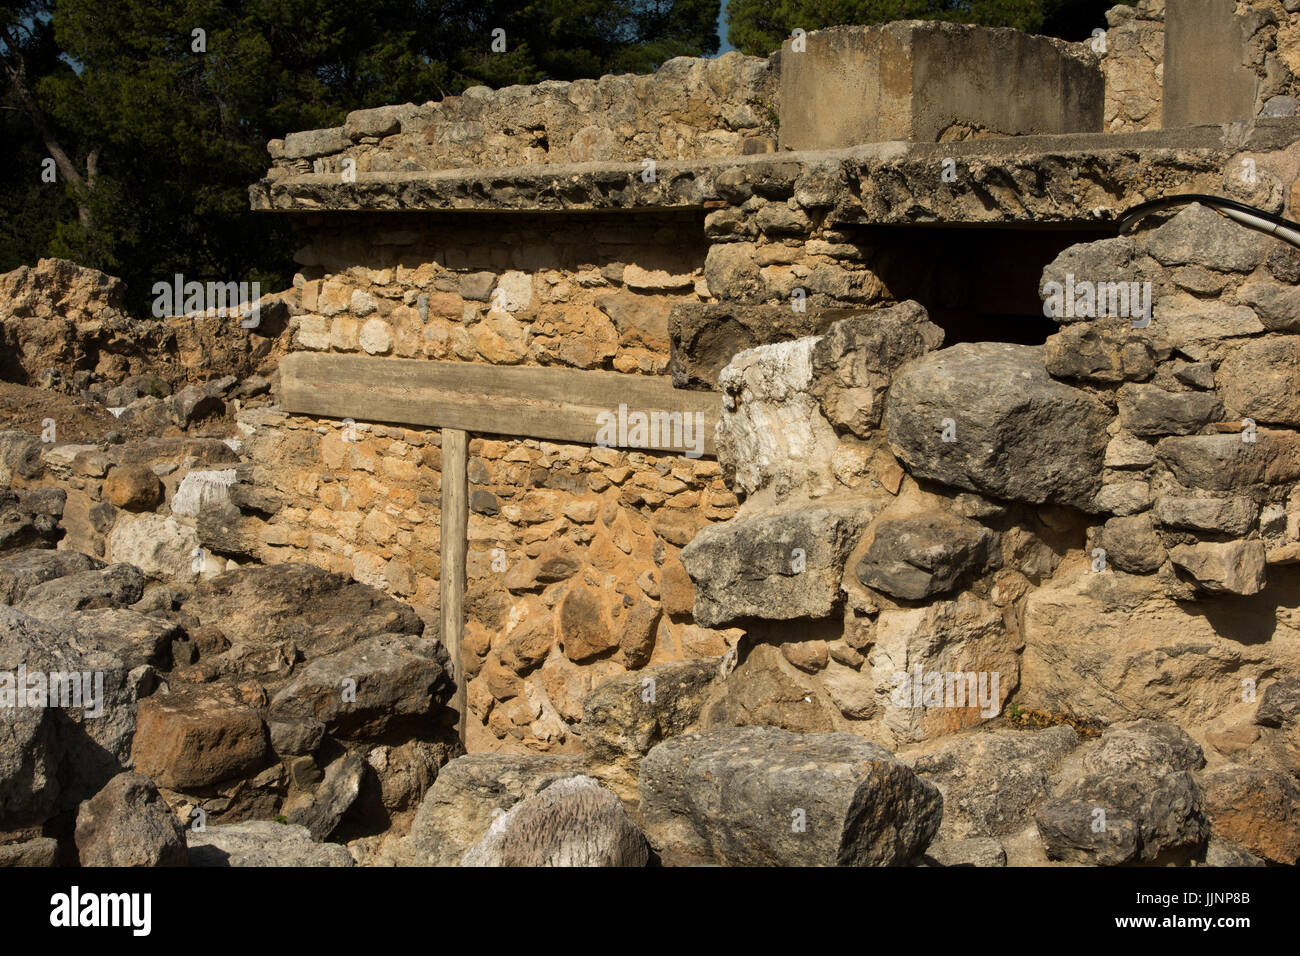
x,y
84,739
1103,350
584,633
625,716
117,585
1039,442
159,545
129,824
977,851
759,796
992,782
137,639
1227,463
318,611
23,570
705,337
1221,852
924,660
133,487
291,736
775,565
332,798
1279,704
1146,410
917,557
1132,545
360,691
262,843
1256,808
1129,797
459,807
1199,236
197,737
30,519
1233,516
1112,646
853,362
1231,567
1260,380
766,690
20,456
929,82
772,433
573,822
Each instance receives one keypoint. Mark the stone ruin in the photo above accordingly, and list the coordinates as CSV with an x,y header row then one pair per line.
x,y
662,458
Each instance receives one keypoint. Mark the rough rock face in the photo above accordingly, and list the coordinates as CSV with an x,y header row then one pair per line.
x,y
128,824
194,738
468,794
915,558
992,782
1256,808
1130,797
772,433
1041,441
262,843
777,565
759,796
393,677
573,822
625,716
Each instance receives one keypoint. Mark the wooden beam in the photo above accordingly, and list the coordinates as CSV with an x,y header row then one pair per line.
x,y
454,542
552,404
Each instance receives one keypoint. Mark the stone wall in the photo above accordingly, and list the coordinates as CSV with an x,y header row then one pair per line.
x,y
1108,524
1134,65
572,569
690,108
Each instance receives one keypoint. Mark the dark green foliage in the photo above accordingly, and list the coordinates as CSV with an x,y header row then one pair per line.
x,y
757,27
163,140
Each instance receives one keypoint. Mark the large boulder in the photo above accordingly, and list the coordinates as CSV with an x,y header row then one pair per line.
x,y
362,690
987,417
469,794
80,713
1129,797
129,824
625,716
116,586
197,737
917,557
992,782
1256,808
777,565
759,796
262,843
573,822
333,797
319,612
23,570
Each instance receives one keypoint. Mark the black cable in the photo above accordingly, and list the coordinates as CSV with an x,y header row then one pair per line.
x,y
1142,210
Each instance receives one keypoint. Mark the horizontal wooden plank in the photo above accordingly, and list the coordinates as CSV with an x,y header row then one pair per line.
x,y
553,404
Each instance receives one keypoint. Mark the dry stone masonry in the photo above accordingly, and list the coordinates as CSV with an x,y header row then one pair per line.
x,y
779,461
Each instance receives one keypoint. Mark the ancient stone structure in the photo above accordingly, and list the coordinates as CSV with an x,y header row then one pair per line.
x,y
714,431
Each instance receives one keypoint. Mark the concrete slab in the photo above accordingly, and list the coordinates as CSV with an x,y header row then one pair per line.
x,y
929,81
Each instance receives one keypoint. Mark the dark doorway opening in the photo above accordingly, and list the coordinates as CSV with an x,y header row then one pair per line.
x,y
980,284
